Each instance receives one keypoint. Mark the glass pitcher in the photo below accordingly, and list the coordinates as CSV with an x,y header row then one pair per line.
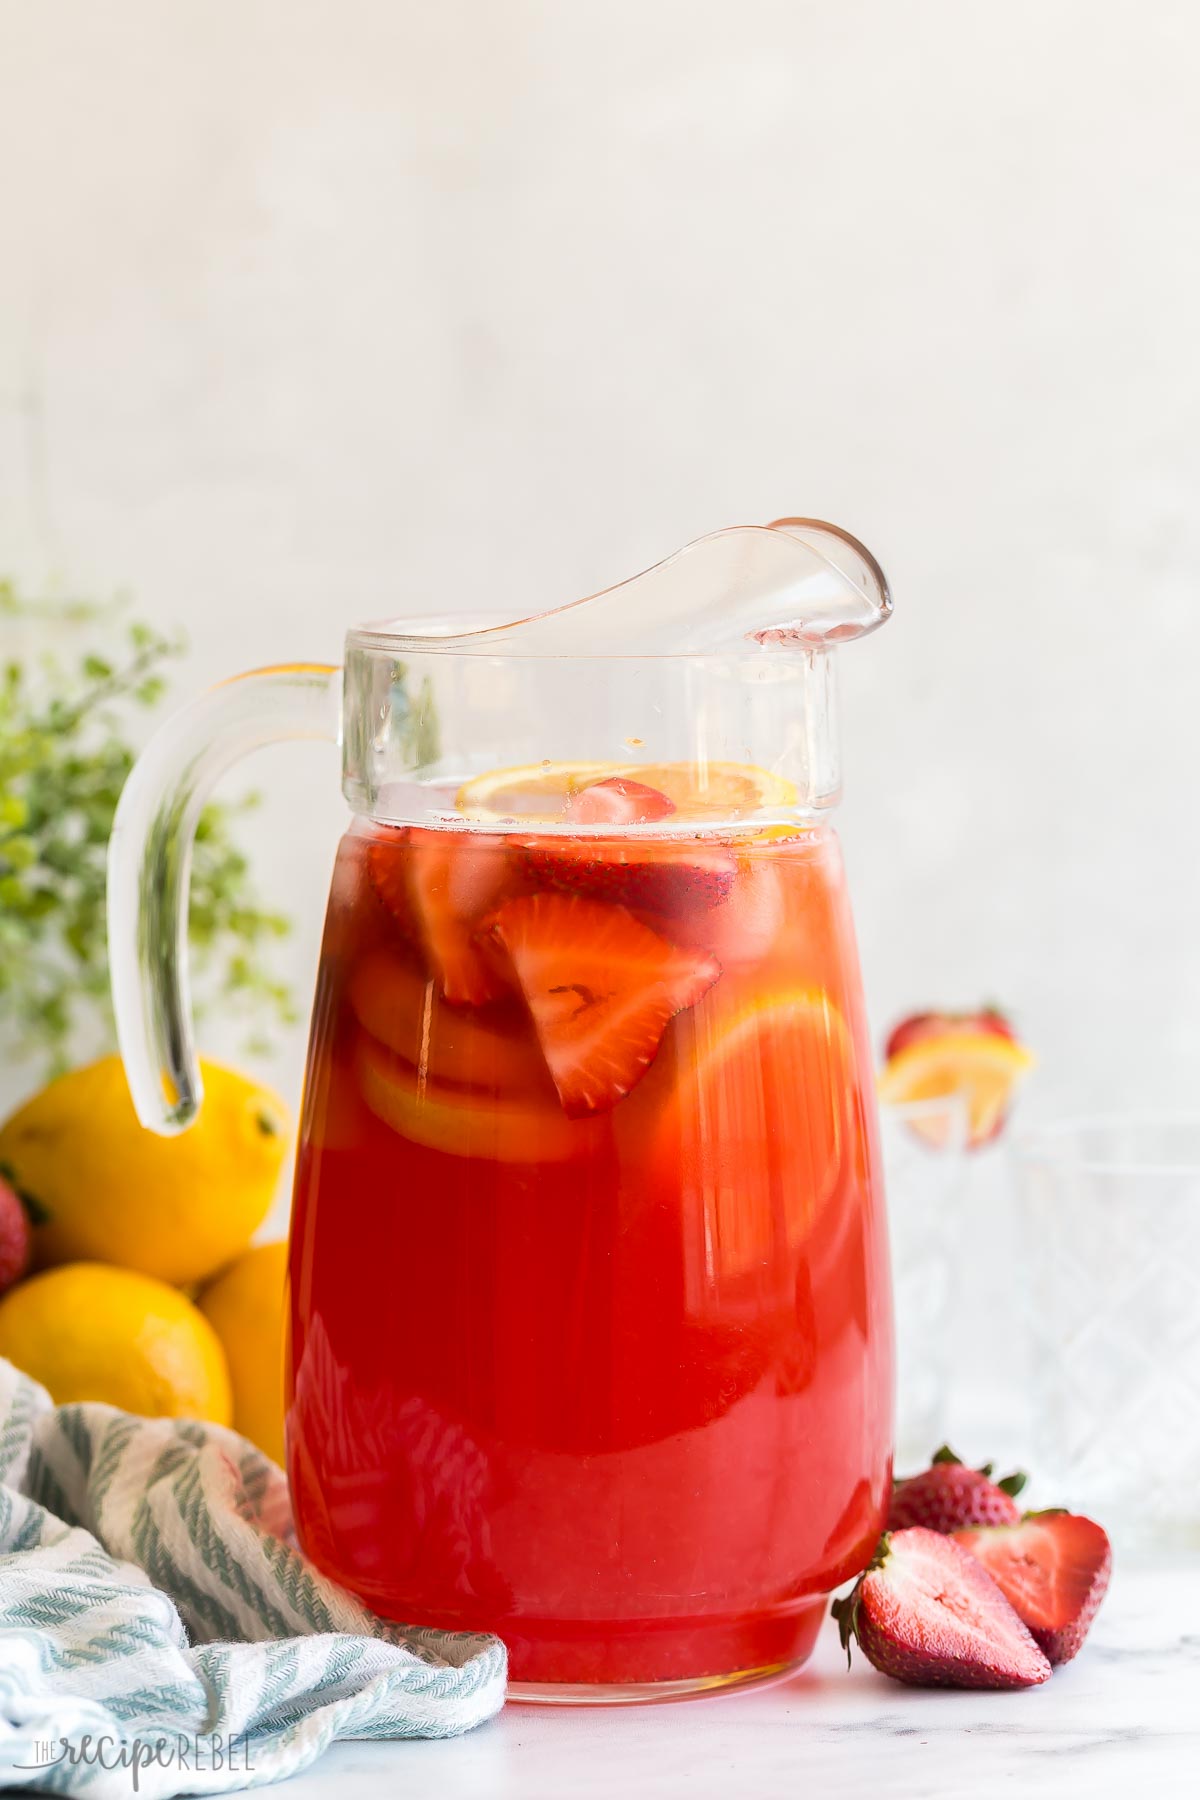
x,y
589,1319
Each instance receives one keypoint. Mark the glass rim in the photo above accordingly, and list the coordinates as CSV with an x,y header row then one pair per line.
x,y
949,1111
931,1108
1059,1141
374,638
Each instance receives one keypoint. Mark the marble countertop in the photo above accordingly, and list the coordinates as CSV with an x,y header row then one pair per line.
x,y
1123,1715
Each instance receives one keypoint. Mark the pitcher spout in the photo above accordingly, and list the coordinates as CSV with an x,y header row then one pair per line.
x,y
845,596
794,585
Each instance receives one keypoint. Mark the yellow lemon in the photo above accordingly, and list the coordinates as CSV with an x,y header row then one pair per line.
x,y
90,1332
540,791
244,1306
760,1121
103,1190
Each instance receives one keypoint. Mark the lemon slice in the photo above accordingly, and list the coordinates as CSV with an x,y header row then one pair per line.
x,y
539,792
720,790
981,1066
465,1124
534,791
761,1123
397,1006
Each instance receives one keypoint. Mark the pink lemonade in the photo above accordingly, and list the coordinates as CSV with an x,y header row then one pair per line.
x,y
590,1342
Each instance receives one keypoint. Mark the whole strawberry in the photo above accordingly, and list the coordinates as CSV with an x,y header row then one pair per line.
x,y
948,1495
14,1237
928,1614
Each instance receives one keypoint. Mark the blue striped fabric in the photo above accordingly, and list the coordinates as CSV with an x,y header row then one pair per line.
x,y
155,1611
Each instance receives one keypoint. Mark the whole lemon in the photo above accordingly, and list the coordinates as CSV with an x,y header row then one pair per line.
x,y
244,1306
103,1190
91,1332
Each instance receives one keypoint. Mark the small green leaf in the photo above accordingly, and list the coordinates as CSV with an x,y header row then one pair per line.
x,y
845,1611
35,1210
1014,1484
18,852
65,752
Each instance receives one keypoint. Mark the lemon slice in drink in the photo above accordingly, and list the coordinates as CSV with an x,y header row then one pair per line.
x,y
535,791
718,790
761,1122
539,792
460,1123
982,1066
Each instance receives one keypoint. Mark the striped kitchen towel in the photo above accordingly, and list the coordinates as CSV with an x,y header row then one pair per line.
x,y
161,1634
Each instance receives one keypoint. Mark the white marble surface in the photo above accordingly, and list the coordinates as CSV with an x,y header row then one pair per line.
x,y
1123,1715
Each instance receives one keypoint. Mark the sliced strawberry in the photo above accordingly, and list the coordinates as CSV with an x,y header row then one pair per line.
x,y
618,801
601,988
928,1614
387,863
1053,1569
438,885
948,1495
742,926
663,877
935,1024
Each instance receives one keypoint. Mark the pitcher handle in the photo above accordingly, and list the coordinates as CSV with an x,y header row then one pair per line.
x,y
149,865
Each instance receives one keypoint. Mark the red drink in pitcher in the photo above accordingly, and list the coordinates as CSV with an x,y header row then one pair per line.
x,y
590,1338
590,1342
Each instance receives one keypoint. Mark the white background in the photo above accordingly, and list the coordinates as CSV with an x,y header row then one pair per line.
x,y
341,307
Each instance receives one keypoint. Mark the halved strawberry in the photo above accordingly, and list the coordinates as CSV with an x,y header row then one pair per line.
x,y
386,865
928,1614
1053,1569
744,923
663,876
617,800
438,885
937,1024
601,989
948,1495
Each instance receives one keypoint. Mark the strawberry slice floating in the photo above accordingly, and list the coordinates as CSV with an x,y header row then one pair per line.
x,y
618,800
439,884
1053,1569
601,989
663,877
386,862
928,1614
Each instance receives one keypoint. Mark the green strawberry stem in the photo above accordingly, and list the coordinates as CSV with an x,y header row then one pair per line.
x,y
845,1610
1011,1485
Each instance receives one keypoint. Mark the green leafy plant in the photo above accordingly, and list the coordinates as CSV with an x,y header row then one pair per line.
x,y
65,751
